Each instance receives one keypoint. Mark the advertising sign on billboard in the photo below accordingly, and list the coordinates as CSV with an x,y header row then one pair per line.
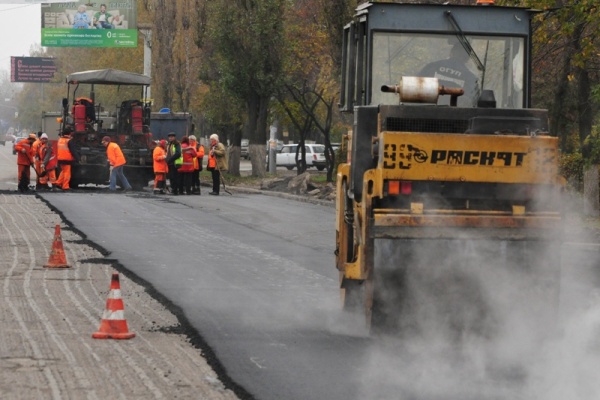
x,y
32,69
90,24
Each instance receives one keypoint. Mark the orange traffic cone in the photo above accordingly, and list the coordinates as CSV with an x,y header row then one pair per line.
x,y
113,324
57,257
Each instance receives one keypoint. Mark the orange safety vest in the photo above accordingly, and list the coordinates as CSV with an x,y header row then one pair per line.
x,y
199,154
43,151
115,155
212,160
64,154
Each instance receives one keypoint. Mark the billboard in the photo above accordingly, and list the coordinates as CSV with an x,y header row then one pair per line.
x,y
32,69
90,24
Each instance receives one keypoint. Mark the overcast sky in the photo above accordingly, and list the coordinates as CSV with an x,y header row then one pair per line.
x,y
20,27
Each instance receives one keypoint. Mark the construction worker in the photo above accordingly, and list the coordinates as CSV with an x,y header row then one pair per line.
x,y
174,161
117,161
67,154
36,161
160,167
217,162
48,162
24,162
187,166
197,164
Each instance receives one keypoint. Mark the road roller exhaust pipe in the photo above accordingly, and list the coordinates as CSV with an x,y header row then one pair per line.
x,y
414,89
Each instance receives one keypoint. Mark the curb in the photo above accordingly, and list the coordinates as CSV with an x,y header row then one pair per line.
x,y
303,199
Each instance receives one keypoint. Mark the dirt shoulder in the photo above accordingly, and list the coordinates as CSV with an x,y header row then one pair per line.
x,y
48,316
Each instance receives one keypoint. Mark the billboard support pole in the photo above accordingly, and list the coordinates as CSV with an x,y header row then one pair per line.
x,y
147,32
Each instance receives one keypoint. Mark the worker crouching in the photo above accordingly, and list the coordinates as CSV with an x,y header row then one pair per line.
x,y
48,162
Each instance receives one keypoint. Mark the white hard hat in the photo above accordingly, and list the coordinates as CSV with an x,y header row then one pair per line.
x,y
214,136
43,136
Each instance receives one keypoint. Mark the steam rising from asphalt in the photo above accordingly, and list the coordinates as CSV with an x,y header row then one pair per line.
x,y
478,321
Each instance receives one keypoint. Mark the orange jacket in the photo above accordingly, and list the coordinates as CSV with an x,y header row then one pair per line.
x,y
189,154
115,155
63,152
159,156
25,156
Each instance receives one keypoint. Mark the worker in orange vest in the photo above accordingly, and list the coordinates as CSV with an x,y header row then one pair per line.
x,y
24,162
117,161
48,162
187,166
197,164
159,155
67,155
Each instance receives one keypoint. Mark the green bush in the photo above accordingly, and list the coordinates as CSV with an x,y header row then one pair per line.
x,y
571,168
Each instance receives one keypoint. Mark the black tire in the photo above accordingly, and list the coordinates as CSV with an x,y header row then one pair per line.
x,y
289,167
320,168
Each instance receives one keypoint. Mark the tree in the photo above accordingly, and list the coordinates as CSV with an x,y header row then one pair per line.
x,y
566,60
309,88
565,65
247,39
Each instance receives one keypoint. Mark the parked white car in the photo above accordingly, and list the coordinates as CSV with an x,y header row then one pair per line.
x,y
314,152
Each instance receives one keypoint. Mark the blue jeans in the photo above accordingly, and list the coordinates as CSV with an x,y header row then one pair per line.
x,y
118,172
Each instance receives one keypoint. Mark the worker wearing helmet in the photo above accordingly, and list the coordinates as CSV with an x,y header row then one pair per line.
x,y
160,167
217,162
117,161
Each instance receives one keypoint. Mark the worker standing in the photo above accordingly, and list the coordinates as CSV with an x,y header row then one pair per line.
x,y
24,162
48,162
217,162
67,155
159,155
197,164
117,161
187,166
174,161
